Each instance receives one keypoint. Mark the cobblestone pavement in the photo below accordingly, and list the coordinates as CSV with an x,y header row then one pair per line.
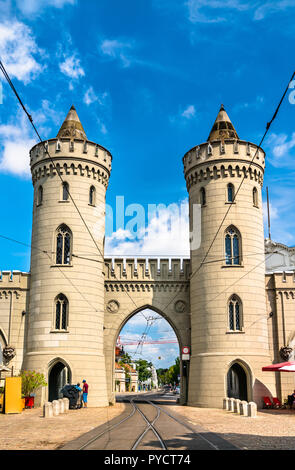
x,y
30,431
270,430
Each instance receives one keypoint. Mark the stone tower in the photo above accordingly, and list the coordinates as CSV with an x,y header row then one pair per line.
x,y
229,330
66,313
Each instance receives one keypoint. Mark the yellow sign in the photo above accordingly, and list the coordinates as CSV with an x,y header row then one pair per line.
x,y
13,395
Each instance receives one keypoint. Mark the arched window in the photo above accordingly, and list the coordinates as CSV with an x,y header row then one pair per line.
x,y
92,196
63,245
233,246
202,196
61,312
255,197
65,191
230,192
235,313
40,195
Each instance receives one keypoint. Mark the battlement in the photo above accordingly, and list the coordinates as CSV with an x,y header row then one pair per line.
x,y
14,280
230,158
147,269
70,155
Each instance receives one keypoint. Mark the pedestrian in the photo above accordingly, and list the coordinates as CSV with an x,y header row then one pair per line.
x,y
85,393
80,395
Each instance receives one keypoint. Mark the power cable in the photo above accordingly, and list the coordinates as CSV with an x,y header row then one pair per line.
x,y
236,193
2,68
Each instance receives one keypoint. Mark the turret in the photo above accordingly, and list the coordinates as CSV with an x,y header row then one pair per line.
x,y
65,332
228,307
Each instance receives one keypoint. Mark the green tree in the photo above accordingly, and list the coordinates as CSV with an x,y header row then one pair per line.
x,y
143,369
167,376
31,381
126,358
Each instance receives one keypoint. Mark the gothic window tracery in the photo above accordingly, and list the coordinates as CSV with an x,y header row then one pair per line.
x,y
61,312
63,245
235,313
232,246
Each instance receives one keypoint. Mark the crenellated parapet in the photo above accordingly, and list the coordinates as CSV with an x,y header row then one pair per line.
x,y
70,157
15,282
222,159
147,269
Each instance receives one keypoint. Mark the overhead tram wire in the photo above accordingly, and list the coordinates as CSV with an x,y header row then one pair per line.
x,y
268,125
2,68
244,176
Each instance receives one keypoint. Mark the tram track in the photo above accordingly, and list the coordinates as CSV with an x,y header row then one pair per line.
x,y
151,425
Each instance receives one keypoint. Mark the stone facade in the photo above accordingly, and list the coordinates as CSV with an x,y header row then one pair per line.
x,y
236,314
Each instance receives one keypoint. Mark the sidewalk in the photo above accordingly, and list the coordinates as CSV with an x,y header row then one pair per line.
x,y
30,431
270,430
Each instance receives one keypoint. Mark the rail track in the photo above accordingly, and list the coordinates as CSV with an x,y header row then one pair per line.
x,y
150,425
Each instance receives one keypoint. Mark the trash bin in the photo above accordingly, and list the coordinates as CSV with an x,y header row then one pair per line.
x,y
71,392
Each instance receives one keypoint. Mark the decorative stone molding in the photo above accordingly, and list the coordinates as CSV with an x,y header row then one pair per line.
x,y
224,170
180,306
9,353
99,174
285,353
113,306
117,286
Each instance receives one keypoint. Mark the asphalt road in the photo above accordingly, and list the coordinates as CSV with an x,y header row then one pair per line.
x,y
146,424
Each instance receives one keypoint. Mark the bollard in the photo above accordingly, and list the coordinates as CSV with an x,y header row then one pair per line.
x,y
55,407
66,404
61,405
252,409
226,404
237,406
47,410
243,408
231,407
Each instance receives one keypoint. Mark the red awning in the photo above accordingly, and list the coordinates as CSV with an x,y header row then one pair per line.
x,y
281,367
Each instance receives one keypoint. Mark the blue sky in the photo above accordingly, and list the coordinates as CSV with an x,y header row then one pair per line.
x,y
156,328
147,78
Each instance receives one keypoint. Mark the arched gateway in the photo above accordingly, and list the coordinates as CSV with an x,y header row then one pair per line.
x,y
69,309
132,285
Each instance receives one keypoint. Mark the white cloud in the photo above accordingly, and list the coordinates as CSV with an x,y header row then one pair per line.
x,y
16,142
167,234
18,50
71,67
183,116
17,138
189,112
32,7
273,212
117,50
281,150
216,11
268,8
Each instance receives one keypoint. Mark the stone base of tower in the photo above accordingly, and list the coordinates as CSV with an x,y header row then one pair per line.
x,y
208,383
77,368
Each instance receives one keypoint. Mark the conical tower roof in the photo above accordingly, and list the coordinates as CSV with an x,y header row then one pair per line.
x,y
72,126
222,128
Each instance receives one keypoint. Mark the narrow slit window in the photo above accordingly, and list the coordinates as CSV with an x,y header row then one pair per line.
x,y
202,196
92,196
230,192
65,191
